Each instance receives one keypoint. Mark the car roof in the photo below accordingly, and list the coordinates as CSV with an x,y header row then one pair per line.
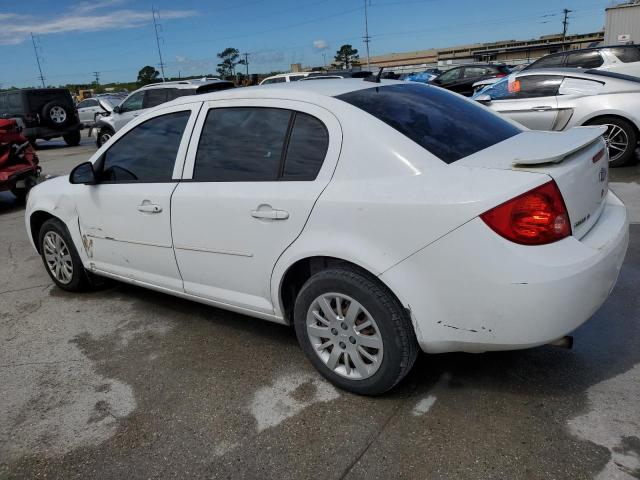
x,y
185,84
290,90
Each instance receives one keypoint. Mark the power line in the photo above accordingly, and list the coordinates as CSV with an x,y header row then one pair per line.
x,y
97,75
565,26
155,26
366,37
35,49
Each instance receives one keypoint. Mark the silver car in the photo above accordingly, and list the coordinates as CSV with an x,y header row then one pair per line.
x,y
558,99
91,108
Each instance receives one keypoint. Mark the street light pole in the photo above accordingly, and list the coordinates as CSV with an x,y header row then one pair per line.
x,y
367,38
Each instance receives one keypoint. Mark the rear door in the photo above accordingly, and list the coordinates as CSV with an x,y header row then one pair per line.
x,y
528,99
253,173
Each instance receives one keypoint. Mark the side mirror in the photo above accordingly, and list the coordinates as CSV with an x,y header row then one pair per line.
x,y
485,99
83,174
116,109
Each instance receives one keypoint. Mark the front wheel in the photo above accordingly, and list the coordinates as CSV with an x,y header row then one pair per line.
x,y
60,258
621,139
104,134
354,331
72,139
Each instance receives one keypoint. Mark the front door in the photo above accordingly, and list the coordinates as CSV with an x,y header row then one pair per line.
x,y
129,109
125,218
528,99
253,173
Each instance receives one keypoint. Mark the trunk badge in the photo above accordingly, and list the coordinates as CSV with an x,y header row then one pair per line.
x,y
603,174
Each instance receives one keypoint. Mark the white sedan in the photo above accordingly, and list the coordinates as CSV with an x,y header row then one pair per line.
x,y
377,218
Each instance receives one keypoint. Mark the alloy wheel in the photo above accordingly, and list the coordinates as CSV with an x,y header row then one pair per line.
x,y
617,141
104,138
58,115
58,257
345,336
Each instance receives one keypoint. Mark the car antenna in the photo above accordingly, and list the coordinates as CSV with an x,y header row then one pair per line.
x,y
374,78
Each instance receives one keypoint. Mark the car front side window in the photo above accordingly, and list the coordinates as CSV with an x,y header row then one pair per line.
x,y
449,76
147,153
134,102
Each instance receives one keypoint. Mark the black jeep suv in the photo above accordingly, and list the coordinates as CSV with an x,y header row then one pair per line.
x,y
46,113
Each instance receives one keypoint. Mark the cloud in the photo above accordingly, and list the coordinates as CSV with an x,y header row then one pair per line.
x,y
194,65
320,45
15,28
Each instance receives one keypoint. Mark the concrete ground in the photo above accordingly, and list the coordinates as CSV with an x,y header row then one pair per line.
x,y
128,383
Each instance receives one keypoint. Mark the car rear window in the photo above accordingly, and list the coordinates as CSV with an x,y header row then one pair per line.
x,y
445,124
39,98
627,54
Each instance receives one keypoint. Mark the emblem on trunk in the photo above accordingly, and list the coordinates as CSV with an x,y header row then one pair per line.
x,y
603,174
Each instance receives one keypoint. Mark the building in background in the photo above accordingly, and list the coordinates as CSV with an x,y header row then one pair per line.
x,y
507,51
623,24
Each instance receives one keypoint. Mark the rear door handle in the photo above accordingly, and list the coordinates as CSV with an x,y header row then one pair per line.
x,y
147,207
270,214
542,108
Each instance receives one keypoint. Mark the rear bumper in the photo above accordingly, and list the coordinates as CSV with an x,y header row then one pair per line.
x,y
474,291
46,132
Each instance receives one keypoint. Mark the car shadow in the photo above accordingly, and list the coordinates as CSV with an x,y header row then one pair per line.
x,y
9,203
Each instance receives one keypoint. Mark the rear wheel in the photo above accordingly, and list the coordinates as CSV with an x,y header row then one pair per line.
x,y
621,139
72,139
60,258
354,331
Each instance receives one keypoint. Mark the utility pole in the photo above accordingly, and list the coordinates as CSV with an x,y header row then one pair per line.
x,y
366,37
97,75
35,49
324,59
565,26
246,62
155,26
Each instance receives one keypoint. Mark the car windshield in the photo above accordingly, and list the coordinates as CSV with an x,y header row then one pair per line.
x,y
447,125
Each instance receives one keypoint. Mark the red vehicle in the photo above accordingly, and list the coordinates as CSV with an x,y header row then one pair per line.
x,y
19,170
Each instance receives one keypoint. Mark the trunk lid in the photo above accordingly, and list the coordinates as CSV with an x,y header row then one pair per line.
x,y
576,159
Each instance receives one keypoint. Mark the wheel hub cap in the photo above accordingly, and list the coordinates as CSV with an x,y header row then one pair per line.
x,y
616,140
345,336
58,257
58,115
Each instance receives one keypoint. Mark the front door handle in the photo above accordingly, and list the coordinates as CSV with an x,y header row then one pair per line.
x,y
269,213
147,207
542,108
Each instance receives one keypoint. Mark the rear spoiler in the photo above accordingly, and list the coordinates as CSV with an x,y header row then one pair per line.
x,y
552,147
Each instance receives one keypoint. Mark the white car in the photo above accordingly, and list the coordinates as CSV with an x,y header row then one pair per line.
x,y
90,109
623,59
377,218
284,78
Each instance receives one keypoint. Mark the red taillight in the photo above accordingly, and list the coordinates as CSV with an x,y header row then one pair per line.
x,y
537,217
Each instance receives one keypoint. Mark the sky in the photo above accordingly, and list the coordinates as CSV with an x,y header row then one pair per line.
x,y
116,38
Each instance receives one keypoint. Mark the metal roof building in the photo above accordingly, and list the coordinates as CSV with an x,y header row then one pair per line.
x,y
623,24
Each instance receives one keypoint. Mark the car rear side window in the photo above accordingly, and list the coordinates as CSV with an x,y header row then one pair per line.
x,y
550,61
242,144
589,59
147,153
307,148
525,86
445,124
627,54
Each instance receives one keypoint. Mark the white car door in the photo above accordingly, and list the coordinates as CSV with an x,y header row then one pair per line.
x,y
125,218
131,108
253,173
528,99
87,110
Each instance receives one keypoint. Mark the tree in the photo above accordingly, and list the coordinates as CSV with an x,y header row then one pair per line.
x,y
347,56
229,57
147,75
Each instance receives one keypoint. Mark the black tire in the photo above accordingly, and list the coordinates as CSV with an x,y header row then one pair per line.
x,y
80,280
629,130
50,114
21,193
102,133
393,322
72,139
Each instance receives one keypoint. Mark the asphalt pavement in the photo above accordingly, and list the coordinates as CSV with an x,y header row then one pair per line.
x,y
128,383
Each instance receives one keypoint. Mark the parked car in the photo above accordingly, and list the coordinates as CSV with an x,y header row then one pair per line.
x,y
338,75
461,79
377,218
422,77
19,170
623,59
559,99
151,96
285,77
92,108
45,112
